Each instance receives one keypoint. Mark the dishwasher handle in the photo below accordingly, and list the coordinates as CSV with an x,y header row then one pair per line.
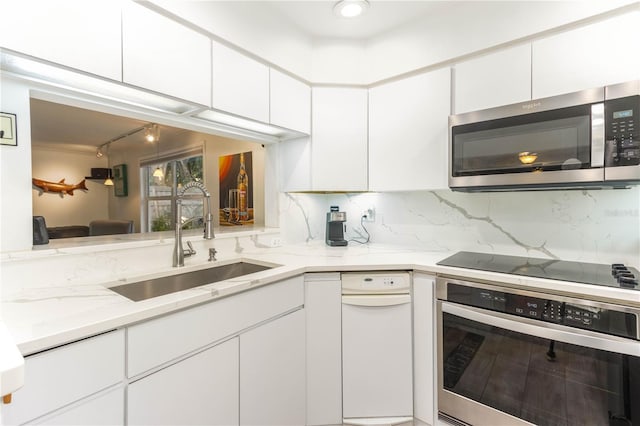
x,y
376,300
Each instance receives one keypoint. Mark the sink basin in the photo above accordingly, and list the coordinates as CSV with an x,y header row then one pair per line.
x,y
155,287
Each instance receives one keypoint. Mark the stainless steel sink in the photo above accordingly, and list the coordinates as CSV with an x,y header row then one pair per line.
x,y
155,287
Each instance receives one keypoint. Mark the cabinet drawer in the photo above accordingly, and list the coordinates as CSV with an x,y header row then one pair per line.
x,y
104,409
163,339
66,374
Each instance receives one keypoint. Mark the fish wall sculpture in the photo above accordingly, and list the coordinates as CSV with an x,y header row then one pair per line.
x,y
59,187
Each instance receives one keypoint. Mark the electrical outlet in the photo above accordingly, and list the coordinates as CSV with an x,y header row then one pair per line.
x,y
276,242
369,215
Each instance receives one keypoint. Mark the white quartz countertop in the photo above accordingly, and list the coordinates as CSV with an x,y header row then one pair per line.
x,y
39,316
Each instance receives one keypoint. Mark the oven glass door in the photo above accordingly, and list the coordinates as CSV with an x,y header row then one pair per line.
x,y
540,380
543,141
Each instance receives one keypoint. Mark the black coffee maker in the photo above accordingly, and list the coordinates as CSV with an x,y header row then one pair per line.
x,y
335,227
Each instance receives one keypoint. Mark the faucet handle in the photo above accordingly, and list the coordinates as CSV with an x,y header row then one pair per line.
x,y
191,251
212,254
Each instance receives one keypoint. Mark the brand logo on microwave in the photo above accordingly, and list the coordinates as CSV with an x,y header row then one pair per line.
x,y
532,105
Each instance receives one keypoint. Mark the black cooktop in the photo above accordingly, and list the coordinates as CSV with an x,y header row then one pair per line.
x,y
616,275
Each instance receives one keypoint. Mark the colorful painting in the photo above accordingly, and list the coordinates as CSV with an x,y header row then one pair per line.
x,y
236,189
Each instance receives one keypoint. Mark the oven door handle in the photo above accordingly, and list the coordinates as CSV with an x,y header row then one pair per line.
x,y
544,330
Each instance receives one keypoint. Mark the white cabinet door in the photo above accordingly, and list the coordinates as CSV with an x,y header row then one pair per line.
x,y
240,84
408,127
496,79
106,409
324,348
424,379
64,375
161,340
592,56
76,33
294,164
377,371
272,373
339,139
199,390
290,102
161,55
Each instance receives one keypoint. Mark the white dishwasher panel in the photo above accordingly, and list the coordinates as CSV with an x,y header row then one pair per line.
x,y
376,357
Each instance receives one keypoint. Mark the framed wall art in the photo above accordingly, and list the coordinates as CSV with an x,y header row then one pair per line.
x,y
8,134
120,180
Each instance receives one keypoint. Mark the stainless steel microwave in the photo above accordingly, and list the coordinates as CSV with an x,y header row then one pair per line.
x,y
584,139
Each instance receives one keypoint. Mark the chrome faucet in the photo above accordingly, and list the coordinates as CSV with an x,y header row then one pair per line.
x,y
179,253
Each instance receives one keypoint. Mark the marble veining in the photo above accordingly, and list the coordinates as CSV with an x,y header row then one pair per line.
x,y
488,220
601,226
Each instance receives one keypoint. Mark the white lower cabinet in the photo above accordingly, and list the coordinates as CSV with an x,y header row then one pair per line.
x,y
424,378
104,409
323,306
180,375
272,372
63,382
201,389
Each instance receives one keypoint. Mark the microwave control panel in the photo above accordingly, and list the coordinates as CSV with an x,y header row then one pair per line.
x,y
622,131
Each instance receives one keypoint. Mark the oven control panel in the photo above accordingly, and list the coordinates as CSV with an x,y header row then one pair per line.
x,y
573,314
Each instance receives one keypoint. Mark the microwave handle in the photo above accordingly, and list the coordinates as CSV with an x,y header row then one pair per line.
x,y
597,135
544,330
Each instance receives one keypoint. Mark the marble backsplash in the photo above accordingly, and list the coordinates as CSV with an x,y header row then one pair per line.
x,y
600,226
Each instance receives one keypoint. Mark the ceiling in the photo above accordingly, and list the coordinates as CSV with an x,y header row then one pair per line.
x,y
316,18
75,128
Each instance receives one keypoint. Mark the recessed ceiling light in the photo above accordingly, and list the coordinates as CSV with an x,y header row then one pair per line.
x,y
350,8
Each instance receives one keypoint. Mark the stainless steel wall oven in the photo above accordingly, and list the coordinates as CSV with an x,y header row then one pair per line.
x,y
508,356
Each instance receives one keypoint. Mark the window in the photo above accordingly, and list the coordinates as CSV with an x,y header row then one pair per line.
x,y
160,191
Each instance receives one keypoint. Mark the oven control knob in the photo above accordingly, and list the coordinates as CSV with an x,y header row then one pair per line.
x,y
617,269
628,282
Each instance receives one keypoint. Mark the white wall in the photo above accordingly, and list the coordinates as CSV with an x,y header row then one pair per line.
x,y
65,210
15,171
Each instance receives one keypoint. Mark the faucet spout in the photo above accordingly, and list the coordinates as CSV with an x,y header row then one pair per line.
x,y
179,253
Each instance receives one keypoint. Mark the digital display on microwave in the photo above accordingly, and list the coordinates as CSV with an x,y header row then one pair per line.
x,y
623,114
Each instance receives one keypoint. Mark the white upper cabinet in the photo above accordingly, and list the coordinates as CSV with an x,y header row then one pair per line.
x,y
408,126
161,55
76,33
496,79
592,56
290,102
339,139
240,84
